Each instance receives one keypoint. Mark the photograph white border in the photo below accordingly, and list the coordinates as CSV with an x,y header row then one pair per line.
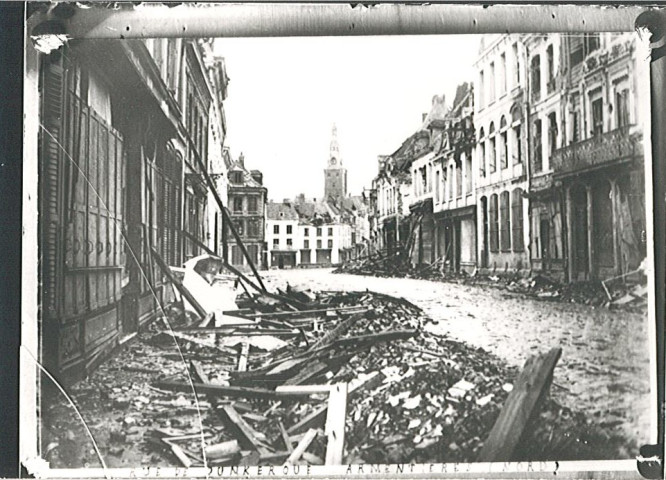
x,y
305,20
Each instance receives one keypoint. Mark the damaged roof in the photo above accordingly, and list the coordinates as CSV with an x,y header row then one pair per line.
x,y
281,211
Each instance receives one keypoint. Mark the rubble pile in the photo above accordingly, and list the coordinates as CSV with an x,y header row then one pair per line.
x,y
614,293
263,391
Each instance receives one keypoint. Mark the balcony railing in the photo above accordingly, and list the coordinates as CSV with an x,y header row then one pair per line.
x,y
599,150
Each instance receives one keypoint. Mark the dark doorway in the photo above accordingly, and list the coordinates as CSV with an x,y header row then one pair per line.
x,y
604,255
544,235
456,245
484,238
579,225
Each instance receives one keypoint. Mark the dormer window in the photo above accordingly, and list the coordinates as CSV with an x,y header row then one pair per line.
x,y
236,177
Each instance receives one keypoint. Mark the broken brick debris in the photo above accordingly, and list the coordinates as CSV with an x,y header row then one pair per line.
x,y
412,395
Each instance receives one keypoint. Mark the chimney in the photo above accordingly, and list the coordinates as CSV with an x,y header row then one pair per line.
x,y
241,160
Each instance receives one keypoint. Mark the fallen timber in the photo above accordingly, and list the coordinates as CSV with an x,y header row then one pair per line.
x,y
411,396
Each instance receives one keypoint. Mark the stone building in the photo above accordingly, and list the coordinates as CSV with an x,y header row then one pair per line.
x,y
454,198
247,207
422,169
219,158
502,163
546,118
598,167
124,145
283,237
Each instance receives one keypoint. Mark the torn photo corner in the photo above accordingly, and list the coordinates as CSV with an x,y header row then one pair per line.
x,y
339,240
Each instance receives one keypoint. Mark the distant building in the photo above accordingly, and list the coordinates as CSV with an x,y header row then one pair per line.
x,y
282,234
454,189
247,205
335,174
423,170
219,158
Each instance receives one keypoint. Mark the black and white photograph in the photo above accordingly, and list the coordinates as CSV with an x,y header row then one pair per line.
x,y
267,246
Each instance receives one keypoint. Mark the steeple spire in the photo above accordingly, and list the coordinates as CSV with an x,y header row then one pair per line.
x,y
334,157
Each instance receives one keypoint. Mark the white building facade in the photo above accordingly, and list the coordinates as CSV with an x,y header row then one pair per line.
x,y
501,157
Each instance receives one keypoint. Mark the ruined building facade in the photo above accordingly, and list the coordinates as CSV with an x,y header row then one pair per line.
x,y
124,143
536,168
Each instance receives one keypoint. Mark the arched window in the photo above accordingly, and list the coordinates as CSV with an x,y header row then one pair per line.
x,y
504,144
482,153
493,147
516,136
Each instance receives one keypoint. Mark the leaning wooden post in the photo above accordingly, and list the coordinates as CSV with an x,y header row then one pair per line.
x,y
179,286
226,219
529,388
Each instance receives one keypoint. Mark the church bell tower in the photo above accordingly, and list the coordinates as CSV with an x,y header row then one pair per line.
x,y
335,175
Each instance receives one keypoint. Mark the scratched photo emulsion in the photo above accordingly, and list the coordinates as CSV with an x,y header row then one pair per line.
x,y
331,251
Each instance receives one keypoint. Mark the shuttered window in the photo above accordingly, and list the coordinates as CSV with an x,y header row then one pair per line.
x,y
90,163
494,224
517,215
505,222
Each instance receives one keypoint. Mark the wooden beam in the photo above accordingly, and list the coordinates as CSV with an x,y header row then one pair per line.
x,y
179,286
243,432
227,391
242,358
309,312
530,387
285,436
198,373
318,417
335,424
302,446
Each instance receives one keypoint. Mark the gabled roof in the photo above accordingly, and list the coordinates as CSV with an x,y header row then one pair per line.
x,y
248,181
281,211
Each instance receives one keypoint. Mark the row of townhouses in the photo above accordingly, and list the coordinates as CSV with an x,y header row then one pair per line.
x,y
536,166
129,131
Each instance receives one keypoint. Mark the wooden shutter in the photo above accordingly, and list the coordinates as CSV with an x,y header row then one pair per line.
x,y
52,107
517,224
505,222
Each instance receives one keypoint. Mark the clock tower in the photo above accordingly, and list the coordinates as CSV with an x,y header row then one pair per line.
x,y
335,175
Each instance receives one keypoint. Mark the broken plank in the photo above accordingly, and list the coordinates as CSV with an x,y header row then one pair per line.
x,y
226,391
178,284
221,450
285,436
318,417
198,372
531,386
242,358
197,341
302,446
305,389
308,312
206,321
336,332
335,424
235,331
244,433
180,455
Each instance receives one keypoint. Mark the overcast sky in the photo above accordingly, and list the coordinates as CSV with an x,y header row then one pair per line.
x,y
286,93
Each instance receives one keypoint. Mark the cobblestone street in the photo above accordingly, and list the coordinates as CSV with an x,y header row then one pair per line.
x,y
604,369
